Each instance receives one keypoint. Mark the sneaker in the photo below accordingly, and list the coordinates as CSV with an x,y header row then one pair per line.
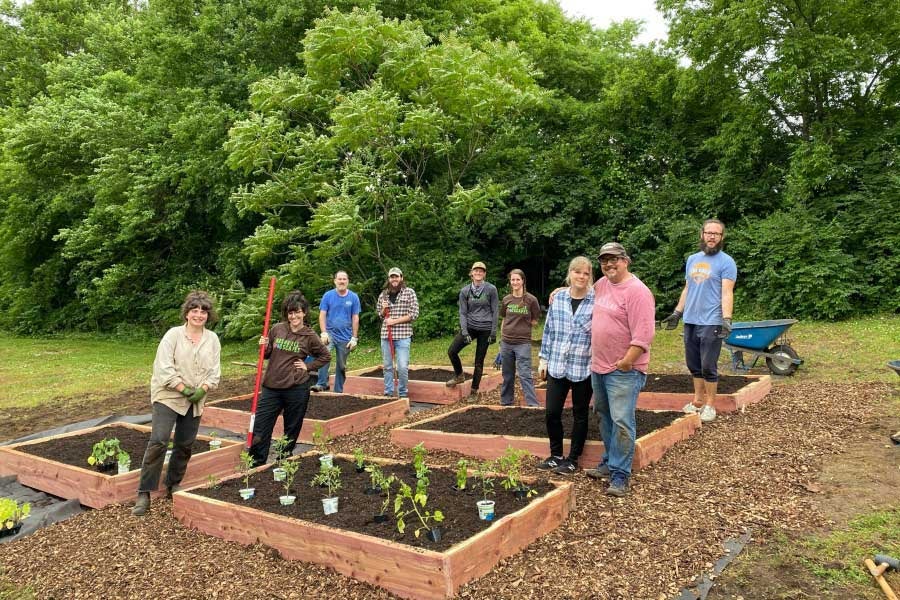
x,y
601,472
690,408
566,467
551,462
472,397
707,414
319,388
618,487
456,379
142,505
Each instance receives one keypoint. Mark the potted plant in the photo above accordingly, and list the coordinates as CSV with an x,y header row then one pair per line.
x,y
280,445
329,476
359,458
11,516
462,474
124,461
214,442
382,484
417,502
244,467
375,476
485,506
320,440
212,482
169,450
103,454
290,471
511,464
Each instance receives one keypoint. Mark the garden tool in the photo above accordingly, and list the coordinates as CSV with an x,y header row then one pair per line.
x,y
259,363
390,331
878,573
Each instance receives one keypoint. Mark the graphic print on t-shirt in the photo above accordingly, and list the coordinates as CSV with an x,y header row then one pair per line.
x,y
700,272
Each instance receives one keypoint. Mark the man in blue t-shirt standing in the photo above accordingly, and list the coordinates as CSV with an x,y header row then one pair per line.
x,y
706,304
339,323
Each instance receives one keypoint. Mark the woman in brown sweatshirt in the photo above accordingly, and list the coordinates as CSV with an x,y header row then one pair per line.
x,y
285,386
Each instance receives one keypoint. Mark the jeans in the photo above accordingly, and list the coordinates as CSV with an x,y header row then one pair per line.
x,y
482,339
341,352
702,346
401,349
186,427
292,402
615,400
557,390
516,358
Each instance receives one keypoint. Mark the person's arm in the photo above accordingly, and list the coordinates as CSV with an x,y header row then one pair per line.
x,y
641,311
323,315
164,363
682,300
495,311
534,309
319,352
727,298
215,373
463,311
413,307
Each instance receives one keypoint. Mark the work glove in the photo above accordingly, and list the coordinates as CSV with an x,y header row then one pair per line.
x,y
325,338
542,369
492,339
187,392
725,329
671,322
498,362
263,340
467,339
352,343
197,396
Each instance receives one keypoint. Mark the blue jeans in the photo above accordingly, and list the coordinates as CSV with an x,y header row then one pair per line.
x,y
341,352
401,349
615,400
516,358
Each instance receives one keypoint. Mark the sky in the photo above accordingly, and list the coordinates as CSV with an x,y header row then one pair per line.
x,y
603,12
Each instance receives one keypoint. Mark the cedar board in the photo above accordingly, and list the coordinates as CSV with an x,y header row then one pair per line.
x,y
403,570
430,392
648,449
95,489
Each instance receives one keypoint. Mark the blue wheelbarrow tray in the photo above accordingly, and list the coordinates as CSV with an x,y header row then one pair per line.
x,y
895,365
760,339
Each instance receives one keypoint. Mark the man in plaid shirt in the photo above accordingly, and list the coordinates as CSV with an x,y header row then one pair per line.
x,y
398,307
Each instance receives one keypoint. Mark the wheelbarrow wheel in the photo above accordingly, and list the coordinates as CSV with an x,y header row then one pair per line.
x,y
782,363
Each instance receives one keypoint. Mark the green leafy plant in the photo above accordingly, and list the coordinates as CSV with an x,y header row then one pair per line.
x,y
462,473
511,464
329,477
280,445
417,505
212,482
483,475
382,482
103,452
419,452
123,458
12,513
320,439
359,458
245,466
290,471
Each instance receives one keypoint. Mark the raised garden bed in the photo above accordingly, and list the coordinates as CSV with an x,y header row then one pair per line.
x,y
339,414
350,542
673,391
486,431
427,383
57,464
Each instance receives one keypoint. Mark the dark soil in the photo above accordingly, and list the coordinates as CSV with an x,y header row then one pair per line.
x,y
356,509
532,423
74,450
320,407
684,383
441,375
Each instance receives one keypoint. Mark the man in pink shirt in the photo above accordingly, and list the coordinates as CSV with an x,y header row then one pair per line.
x,y
622,328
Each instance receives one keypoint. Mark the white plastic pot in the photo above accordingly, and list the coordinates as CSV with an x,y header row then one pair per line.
x,y
168,456
124,468
326,460
247,493
330,505
485,510
286,500
278,473
215,444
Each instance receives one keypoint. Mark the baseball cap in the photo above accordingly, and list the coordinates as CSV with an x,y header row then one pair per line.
x,y
613,249
395,271
478,265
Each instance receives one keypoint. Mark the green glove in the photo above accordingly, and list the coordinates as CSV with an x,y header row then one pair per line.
x,y
197,396
187,392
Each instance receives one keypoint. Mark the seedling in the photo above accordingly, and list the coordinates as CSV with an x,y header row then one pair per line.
x,y
462,473
12,513
419,499
359,458
280,445
511,464
419,453
482,474
383,483
290,471
212,482
103,452
123,458
329,477
320,439
245,466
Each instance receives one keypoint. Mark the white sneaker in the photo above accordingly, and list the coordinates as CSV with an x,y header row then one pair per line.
x,y
707,414
690,409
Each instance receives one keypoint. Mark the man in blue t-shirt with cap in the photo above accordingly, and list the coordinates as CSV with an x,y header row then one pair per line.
x,y
706,305
339,324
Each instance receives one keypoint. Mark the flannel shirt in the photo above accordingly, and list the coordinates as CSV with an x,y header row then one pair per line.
x,y
406,304
566,343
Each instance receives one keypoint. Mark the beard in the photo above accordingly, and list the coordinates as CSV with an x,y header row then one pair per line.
x,y
395,287
710,251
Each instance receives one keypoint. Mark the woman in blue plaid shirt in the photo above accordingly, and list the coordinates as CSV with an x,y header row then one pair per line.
x,y
566,364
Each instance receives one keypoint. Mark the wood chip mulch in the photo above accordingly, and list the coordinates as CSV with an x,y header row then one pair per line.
x,y
753,470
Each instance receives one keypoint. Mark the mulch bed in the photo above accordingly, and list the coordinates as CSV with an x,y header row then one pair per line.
x,y
321,407
357,509
439,375
74,450
532,423
756,470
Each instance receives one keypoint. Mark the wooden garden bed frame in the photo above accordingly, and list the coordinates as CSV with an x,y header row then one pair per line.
x,y
431,392
648,449
96,489
238,420
403,570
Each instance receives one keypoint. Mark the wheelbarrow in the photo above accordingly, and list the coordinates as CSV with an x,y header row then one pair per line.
x,y
763,339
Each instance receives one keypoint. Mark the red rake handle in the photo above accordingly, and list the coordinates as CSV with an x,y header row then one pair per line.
x,y
259,363
390,328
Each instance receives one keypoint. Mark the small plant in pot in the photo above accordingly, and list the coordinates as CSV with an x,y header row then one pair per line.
x,y
214,442
383,484
11,516
375,477
290,471
104,453
169,450
417,505
483,476
511,464
320,440
329,476
462,475
359,458
124,461
245,466
280,446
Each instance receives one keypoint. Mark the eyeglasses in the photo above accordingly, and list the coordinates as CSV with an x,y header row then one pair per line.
x,y
714,234
609,260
